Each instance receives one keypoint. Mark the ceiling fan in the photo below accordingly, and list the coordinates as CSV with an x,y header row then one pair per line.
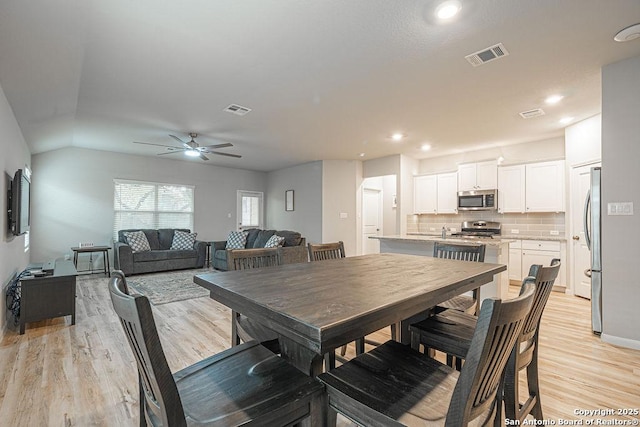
x,y
192,148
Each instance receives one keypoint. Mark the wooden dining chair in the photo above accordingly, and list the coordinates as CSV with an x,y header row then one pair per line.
x,y
243,328
452,331
246,384
465,303
394,385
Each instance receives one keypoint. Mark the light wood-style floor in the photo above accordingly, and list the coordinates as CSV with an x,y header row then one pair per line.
x,y
84,375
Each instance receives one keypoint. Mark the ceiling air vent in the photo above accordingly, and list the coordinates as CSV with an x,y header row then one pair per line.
x,y
236,109
536,112
487,55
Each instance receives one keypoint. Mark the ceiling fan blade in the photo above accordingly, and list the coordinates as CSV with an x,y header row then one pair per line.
x,y
213,147
203,157
177,150
157,145
184,144
225,154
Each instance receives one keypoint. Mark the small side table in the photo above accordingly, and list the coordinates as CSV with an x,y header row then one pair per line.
x,y
207,259
91,250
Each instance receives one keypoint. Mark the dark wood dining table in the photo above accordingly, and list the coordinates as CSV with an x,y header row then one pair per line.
x,y
317,307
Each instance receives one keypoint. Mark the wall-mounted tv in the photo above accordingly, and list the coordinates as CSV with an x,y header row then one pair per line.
x,y
19,214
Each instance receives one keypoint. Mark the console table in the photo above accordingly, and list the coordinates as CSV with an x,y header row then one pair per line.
x,y
48,296
90,250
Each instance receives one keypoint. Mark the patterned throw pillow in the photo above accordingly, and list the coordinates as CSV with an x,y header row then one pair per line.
x,y
137,240
274,241
183,241
237,239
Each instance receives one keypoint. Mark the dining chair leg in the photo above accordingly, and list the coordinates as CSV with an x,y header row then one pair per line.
x,y
360,346
534,386
330,360
235,339
343,350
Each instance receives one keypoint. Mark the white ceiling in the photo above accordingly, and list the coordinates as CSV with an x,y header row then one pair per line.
x,y
325,79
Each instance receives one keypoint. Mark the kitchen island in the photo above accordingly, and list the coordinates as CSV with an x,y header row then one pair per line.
x,y
497,252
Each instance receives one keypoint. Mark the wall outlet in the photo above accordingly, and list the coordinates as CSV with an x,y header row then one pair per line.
x,y
620,208
344,215
554,232
515,231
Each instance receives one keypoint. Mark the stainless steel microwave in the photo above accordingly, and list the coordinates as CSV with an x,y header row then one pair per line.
x,y
478,200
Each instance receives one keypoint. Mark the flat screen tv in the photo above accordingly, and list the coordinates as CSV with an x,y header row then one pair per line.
x,y
20,203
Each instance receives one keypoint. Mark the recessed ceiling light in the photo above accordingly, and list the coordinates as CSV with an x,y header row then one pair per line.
x,y
192,153
448,9
361,154
554,99
629,33
425,147
397,136
566,120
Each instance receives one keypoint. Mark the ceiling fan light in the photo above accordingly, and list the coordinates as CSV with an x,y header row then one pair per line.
x,y
192,153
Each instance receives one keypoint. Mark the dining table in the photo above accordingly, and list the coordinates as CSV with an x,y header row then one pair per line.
x,y
316,307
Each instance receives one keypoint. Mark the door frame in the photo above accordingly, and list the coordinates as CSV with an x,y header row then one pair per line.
x,y
242,193
571,289
379,192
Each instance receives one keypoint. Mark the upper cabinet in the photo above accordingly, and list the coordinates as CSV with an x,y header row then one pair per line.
x,y
545,187
435,193
478,176
535,187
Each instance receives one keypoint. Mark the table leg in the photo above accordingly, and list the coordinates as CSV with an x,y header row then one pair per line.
x,y
107,268
311,364
75,259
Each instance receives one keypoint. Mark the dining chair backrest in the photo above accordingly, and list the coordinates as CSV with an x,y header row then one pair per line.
x,y
161,399
544,278
459,252
244,259
497,329
324,251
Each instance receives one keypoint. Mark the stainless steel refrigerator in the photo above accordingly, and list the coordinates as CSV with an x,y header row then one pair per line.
x,y
593,234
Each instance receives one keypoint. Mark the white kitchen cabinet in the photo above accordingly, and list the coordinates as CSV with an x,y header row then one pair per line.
x,y
511,189
447,194
515,261
435,193
545,188
425,194
542,252
478,176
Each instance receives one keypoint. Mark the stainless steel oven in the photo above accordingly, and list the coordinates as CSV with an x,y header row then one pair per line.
x,y
478,200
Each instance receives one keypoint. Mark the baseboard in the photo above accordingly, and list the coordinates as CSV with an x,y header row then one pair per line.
x,y
621,342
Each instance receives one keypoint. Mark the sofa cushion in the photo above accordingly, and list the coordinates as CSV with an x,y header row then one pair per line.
x,y
263,237
291,238
274,241
236,240
138,241
177,254
150,256
183,241
251,237
221,255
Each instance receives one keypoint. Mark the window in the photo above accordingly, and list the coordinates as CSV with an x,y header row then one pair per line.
x,y
138,204
249,209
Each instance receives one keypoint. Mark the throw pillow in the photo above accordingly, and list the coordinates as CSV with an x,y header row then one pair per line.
x,y
274,241
138,241
237,240
183,241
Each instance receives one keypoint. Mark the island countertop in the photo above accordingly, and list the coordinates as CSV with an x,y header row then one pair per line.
x,y
431,238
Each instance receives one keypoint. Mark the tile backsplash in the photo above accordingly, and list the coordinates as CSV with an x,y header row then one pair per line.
x,y
530,224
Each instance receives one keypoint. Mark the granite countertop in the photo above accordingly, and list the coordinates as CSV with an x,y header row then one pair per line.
x,y
510,237
438,238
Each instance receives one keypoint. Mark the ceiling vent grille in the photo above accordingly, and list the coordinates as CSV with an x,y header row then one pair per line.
x,y
487,55
536,112
236,109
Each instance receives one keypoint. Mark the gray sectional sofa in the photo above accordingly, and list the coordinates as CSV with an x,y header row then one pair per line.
x,y
293,251
160,257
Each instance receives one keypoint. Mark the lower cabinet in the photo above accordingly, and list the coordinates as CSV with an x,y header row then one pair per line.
x,y
524,253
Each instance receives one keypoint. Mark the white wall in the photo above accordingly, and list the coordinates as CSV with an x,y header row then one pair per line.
x,y
536,151
583,141
341,180
306,182
620,183
15,155
72,195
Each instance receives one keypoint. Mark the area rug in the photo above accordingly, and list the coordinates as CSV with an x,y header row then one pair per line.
x,y
170,286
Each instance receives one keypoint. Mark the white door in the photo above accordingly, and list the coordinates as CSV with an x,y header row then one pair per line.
x,y
250,209
371,220
580,183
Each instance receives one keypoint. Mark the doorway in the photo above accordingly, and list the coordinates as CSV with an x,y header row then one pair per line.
x,y
580,184
250,209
